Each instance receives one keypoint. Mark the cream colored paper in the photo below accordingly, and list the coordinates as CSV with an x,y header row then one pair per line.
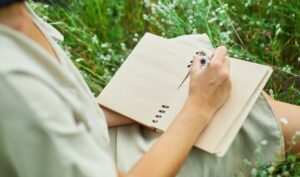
x,y
150,78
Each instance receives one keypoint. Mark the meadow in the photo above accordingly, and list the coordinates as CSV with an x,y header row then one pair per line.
x,y
99,35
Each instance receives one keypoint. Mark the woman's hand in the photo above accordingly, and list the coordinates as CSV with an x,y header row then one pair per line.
x,y
210,87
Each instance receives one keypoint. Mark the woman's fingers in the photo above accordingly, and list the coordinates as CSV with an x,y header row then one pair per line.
x,y
196,63
227,64
219,55
219,62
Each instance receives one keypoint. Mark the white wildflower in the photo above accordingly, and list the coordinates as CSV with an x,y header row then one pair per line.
x,y
229,33
264,142
239,29
194,31
287,68
298,59
190,11
197,14
104,45
135,39
271,93
225,6
295,137
263,173
278,31
247,4
244,17
172,6
102,57
270,3
253,172
45,6
105,58
286,173
221,23
271,169
79,60
212,20
147,3
108,57
153,8
284,121
68,53
218,9
247,162
169,22
213,13
123,46
145,17
95,39
45,18
222,11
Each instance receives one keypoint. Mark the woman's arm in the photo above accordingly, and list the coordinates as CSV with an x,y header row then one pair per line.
x,y
290,114
209,88
114,119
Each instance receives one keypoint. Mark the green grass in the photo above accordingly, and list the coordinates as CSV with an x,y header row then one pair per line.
x,y
259,31
99,35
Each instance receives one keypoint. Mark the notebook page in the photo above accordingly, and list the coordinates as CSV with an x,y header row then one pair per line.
x,y
147,79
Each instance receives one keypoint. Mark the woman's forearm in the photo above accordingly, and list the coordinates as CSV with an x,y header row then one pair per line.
x,y
167,156
114,119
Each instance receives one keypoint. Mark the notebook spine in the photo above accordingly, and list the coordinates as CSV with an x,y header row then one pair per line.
x,y
160,113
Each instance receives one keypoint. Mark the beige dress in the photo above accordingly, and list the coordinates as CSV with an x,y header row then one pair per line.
x,y
50,125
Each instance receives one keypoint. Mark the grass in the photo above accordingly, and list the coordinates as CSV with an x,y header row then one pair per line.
x,y
99,34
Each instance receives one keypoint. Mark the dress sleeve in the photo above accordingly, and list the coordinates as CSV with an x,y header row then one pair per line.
x,y
39,137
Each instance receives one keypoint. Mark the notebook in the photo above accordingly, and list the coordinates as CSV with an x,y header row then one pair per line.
x,y
147,88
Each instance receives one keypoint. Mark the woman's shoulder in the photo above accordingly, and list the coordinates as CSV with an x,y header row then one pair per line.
x,y
31,78
21,55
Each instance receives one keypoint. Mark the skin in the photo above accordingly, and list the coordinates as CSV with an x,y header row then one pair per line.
x,y
292,114
214,81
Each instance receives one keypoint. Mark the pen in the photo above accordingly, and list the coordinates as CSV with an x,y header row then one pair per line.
x,y
204,62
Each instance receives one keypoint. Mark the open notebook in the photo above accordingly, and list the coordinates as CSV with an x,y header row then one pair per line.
x,y
146,89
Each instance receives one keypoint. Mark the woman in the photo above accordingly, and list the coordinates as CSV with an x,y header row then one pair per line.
x,y
50,124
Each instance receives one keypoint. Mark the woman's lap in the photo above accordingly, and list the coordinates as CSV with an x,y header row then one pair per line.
x,y
260,138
